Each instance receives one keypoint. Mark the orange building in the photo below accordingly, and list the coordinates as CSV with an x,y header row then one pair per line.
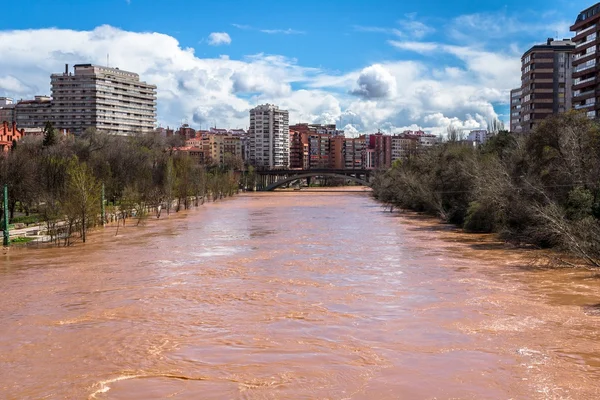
x,y
9,134
337,157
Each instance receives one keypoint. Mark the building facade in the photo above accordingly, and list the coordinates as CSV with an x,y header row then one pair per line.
x,y
404,146
269,137
382,151
586,67
8,113
546,81
34,113
8,135
355,152
515,110
107,99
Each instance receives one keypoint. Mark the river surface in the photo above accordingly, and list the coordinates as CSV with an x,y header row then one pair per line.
x,y
294,296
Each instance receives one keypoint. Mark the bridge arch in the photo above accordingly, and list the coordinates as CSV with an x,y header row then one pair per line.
x,y
292,178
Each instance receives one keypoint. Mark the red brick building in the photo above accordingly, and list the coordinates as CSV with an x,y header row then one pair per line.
x,y
8,134
382,150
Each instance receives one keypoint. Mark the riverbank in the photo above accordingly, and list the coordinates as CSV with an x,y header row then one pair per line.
x,y
37,235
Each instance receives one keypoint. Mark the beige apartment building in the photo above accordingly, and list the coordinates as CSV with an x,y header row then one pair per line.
x,y
216,146
108,99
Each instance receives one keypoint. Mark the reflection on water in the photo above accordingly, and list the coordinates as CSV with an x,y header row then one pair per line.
x,y
295,295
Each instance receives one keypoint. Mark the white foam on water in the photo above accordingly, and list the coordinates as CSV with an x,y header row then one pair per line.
x,y
105,385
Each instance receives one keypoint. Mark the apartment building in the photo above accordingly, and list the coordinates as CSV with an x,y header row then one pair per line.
x,y
298,150
546,81
404,146
34,113
382,151
7,110
328,129
478,136
108,99
269,137
319,147
337,157
355,152
515,110
216,147
585,61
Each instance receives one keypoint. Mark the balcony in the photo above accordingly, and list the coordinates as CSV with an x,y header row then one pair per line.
x,y
585,66
589,53
578,81
579,93
591,38
588,29
580,106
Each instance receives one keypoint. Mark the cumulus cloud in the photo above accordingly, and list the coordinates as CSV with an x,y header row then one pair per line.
x,y
375,82
219,38
388,95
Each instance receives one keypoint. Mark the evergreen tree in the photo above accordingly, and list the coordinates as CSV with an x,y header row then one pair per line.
x,y
50,135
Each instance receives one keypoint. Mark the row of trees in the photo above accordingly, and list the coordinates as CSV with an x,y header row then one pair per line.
x,y
60,179
540,188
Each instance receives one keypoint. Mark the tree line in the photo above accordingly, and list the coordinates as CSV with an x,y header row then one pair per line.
x,y
60,179
541,188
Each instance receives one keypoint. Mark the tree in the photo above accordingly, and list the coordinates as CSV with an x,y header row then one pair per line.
x,y
82,200
50,135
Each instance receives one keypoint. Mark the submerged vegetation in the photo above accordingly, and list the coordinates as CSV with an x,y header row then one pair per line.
x,y
58,180
540,188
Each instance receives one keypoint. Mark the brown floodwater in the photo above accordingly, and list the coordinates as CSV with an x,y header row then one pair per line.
x,y
295,296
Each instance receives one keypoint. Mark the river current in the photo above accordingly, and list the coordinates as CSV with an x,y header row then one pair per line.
x,y
295,295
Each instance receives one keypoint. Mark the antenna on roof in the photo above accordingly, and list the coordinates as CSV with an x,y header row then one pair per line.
x,y
107,60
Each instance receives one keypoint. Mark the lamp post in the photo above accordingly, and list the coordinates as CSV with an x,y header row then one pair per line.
x,y
6,234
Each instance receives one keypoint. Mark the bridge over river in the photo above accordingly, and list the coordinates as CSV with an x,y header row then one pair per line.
x,y
272,179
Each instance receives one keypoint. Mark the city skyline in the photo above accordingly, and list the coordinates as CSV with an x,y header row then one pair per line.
x,y
398,67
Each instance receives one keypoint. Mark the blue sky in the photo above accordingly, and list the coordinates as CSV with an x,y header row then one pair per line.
x,y
372,64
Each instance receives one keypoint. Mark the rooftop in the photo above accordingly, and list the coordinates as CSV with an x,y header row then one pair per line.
x,y
588,13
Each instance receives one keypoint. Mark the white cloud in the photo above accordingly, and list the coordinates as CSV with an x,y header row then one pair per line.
x,y
409,28
288,31
219,38
375,82
413,28
388,95
13,85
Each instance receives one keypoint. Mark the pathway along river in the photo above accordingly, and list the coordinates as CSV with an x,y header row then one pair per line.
x,y
294,296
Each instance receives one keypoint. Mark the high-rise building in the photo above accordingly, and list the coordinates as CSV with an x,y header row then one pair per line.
x,y
515,110
337,158
107,99
585,61
269,137
382,154
546,72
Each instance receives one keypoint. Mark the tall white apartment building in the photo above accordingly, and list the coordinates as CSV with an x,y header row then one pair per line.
x,y
269,137
107,99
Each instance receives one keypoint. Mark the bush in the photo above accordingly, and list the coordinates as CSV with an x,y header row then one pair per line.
x,y
479,219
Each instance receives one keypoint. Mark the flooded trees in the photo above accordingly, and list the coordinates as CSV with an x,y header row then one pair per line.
x,y
81,203
542,188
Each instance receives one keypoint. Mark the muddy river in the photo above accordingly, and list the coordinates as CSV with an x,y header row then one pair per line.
x,y
295,295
